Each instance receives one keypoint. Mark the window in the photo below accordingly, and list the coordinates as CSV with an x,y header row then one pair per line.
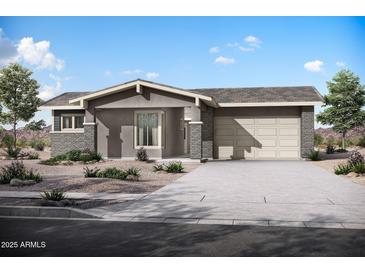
x,y
148,129
72,122
79,121
67,122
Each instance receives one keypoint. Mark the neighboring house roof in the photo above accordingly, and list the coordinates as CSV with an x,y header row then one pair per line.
x,y
301,95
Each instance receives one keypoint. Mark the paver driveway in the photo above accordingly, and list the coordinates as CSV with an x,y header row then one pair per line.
x,y
247,191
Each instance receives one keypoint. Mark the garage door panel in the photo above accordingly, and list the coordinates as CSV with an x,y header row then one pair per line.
x,y
245,142
286,154
265,121
266,131
289,143
244,122
265,153
267,142
288,121
225,152
289,131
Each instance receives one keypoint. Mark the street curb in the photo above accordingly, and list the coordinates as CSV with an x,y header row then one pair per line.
x,y
45,211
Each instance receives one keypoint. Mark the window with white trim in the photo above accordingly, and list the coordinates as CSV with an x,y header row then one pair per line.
x,y
72,122
148,129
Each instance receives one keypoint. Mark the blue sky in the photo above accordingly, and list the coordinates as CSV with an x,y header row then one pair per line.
x,y
89,53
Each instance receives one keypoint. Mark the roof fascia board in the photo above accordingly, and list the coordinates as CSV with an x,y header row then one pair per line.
x,y
143,83
270,104
59,107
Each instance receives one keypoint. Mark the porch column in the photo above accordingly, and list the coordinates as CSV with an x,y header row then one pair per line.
x,y
196,139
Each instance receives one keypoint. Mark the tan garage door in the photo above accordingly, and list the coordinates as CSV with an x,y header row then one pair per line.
x,y
257,138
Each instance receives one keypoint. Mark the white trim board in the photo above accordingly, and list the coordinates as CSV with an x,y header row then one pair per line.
x,y
270,104
138,84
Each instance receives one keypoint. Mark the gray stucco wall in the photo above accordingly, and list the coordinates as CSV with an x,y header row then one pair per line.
x,y
207,117
63,142
307,130
115,133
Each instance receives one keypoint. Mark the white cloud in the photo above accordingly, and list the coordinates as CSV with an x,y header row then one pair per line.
x,y
8,52
233,45
152,75
245,49
314,66
340,64
132,71
214,50
46,92
108,74
253,41
224,60
33,53
38,54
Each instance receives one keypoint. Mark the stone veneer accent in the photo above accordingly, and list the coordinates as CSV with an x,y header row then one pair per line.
x,y
207,118
307,130
195,141
63,142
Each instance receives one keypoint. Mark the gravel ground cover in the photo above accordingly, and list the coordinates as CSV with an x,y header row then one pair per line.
x,y
330,161
71,178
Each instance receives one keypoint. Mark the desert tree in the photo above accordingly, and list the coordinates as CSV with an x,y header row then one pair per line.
x,y
18,95
344,103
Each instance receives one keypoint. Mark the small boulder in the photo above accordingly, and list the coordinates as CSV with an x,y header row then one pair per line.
x,y
19,182
352,174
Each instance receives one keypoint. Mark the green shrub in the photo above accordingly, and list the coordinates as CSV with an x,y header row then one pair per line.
x,y
142,154
113,172
343,169
86,157
318,139
17,170
330,140
39,145
355,157
158,167
54,195
33,156
313,155
133,173
91,172
174,167
73,155
60,157
359,168
7,141
13,152
50,162
330,149
361,142
21,142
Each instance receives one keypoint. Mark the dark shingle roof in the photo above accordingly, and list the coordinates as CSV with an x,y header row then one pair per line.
x,y
226,95
62,100
261,94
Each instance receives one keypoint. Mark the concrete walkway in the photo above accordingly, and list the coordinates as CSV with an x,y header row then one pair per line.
x,y
278,193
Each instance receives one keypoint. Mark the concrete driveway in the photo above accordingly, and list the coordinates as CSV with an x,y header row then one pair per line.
x,y
288,193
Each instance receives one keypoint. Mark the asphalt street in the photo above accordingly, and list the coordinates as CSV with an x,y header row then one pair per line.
x,y
51,237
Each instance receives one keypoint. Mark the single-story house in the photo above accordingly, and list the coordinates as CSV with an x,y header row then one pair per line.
x,y
171,122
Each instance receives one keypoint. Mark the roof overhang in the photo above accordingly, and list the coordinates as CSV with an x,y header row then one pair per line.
x,y
271,104
59,107
138,83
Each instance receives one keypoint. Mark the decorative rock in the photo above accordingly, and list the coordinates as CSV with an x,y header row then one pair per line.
x,y
19,182
352,174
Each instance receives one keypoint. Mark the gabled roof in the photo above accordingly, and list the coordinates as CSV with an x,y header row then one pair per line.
x,y
224,97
